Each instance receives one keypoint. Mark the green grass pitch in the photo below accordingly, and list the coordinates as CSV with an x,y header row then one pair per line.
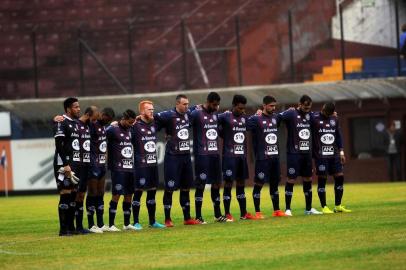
x,y
372,237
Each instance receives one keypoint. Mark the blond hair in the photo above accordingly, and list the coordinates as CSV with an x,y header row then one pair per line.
x,y
141,105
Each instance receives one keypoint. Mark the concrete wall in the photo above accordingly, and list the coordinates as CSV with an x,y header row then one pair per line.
x,y
373,24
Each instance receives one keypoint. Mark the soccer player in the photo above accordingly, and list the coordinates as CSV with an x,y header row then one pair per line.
x,y
97,171
143,134
264,128
121,164
83,164
299,156
66,135
232,127
178,171
328,151
207,156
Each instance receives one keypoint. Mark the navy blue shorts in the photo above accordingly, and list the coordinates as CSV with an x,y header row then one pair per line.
x,y
207,169
267,171
235,168
122,183
83,176
97,172
178,172
146,177
299,165
328,166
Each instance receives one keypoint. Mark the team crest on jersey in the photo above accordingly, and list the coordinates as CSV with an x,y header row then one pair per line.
x,y
322,168
307,116
186,117
171,183
229,173
274,121
142,181
215,117
332,122
118,187
153,129
203,176
243,120
261,175
292,170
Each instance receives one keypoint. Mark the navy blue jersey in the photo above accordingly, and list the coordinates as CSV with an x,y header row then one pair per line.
x,y
120,149
144,142
233,131
327,139
264,129
84,141
98,144
176,127
298,125
205,132
68,129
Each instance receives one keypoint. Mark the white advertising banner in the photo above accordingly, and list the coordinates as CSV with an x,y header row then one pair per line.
x,y
33,164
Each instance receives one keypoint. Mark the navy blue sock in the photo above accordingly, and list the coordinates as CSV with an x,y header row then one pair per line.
x,y
112,212
63,208
288,194
199,202
242,201
307,190
227,199
127,212
71,212
338,189
99,211
136,204
185,203
90,209
215,198
273,191
256,195
79,215
167,201
151,205
321,190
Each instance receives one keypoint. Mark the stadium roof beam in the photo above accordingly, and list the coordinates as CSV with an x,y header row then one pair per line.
x,y
355,90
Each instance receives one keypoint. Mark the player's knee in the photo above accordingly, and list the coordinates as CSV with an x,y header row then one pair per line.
x,y
228,184
290,180
115,198
240,183
80,196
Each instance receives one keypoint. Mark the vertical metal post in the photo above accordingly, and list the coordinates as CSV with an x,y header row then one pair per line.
x,y
225,68
35,62
399,68
130,57
292,62
238,45
342,41
184,53
82,75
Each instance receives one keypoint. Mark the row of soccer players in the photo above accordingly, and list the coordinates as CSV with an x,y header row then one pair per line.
x,y
82,143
